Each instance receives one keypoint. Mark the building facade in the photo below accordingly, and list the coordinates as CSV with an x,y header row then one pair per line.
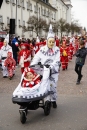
x,y
22,10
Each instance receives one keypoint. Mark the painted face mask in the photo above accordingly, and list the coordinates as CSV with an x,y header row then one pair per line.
x,y
50,43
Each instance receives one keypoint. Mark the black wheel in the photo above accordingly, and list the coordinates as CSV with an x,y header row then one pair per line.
x,y
23,117
47,108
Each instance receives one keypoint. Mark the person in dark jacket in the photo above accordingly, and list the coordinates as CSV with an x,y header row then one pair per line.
x,y
15,48
80,60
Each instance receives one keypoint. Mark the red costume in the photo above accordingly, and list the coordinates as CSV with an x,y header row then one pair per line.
x,y
64,55
71,49
10,64
57,42
35,79
1,44
24,57
39,45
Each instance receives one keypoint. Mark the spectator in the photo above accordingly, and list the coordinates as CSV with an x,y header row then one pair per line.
x,y
80,60
15,48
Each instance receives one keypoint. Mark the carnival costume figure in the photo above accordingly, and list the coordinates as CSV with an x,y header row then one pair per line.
x,y
3,55
49,55
10,63
64,55
24,57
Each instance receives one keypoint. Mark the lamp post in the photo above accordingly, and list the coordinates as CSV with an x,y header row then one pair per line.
x,y
16,19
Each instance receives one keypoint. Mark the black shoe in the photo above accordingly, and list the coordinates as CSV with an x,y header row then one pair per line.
x,y
54,104
66,67
81,77
78,82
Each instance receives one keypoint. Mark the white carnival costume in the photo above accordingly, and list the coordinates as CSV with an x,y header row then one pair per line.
x,y
50,57
3,55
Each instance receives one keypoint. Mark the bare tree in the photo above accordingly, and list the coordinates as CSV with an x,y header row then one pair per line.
x,y
36,24
61,26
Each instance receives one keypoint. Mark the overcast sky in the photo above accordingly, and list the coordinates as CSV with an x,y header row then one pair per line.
x,y
79,11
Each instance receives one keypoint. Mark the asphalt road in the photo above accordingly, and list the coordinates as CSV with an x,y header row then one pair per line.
x,y
71,113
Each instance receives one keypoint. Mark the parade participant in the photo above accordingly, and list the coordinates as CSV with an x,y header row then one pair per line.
x,y
1,43
24,56
31,47
49,55
80,60
64,50
30,78
10,64
3,55
57,41
71,49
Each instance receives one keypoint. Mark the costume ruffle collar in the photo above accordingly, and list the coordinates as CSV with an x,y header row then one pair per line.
x,y
46,51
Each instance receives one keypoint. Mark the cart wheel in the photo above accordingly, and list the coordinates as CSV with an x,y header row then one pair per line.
x,y
23,117
47,108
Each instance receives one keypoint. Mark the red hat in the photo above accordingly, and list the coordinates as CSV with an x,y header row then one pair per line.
x,y
29,70
9,54
25,44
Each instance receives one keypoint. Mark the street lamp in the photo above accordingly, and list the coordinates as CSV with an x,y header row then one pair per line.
x,y
16,19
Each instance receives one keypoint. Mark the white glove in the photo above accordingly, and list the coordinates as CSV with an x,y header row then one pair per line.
x,y
25,60
32,83
27,84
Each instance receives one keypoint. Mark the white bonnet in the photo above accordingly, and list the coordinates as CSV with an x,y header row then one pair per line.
x,y
50,33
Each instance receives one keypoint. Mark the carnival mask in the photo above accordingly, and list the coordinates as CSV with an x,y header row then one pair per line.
x,y
50,42
5,43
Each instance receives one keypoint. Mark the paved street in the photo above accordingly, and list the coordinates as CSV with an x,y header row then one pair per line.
x,y
71,113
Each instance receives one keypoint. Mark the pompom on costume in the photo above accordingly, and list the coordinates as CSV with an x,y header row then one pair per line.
x,y
27,82
24,57
10,64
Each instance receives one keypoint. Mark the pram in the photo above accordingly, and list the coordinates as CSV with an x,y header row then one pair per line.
x,y
33,98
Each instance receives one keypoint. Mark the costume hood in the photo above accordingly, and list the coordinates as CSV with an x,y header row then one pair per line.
x,y
7,39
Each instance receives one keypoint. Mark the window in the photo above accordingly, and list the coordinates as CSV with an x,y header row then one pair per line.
x,y
22,3
47,13
7,1
55,16
23,23
1,19
44,11
13,1
39,11
35,8
27,6
18,2
19,22
8,21
30,6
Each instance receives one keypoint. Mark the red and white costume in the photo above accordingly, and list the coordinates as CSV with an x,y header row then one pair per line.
x,y
35,79
39,45
3,55
57,42
64,50
71,49
10,64
24,57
